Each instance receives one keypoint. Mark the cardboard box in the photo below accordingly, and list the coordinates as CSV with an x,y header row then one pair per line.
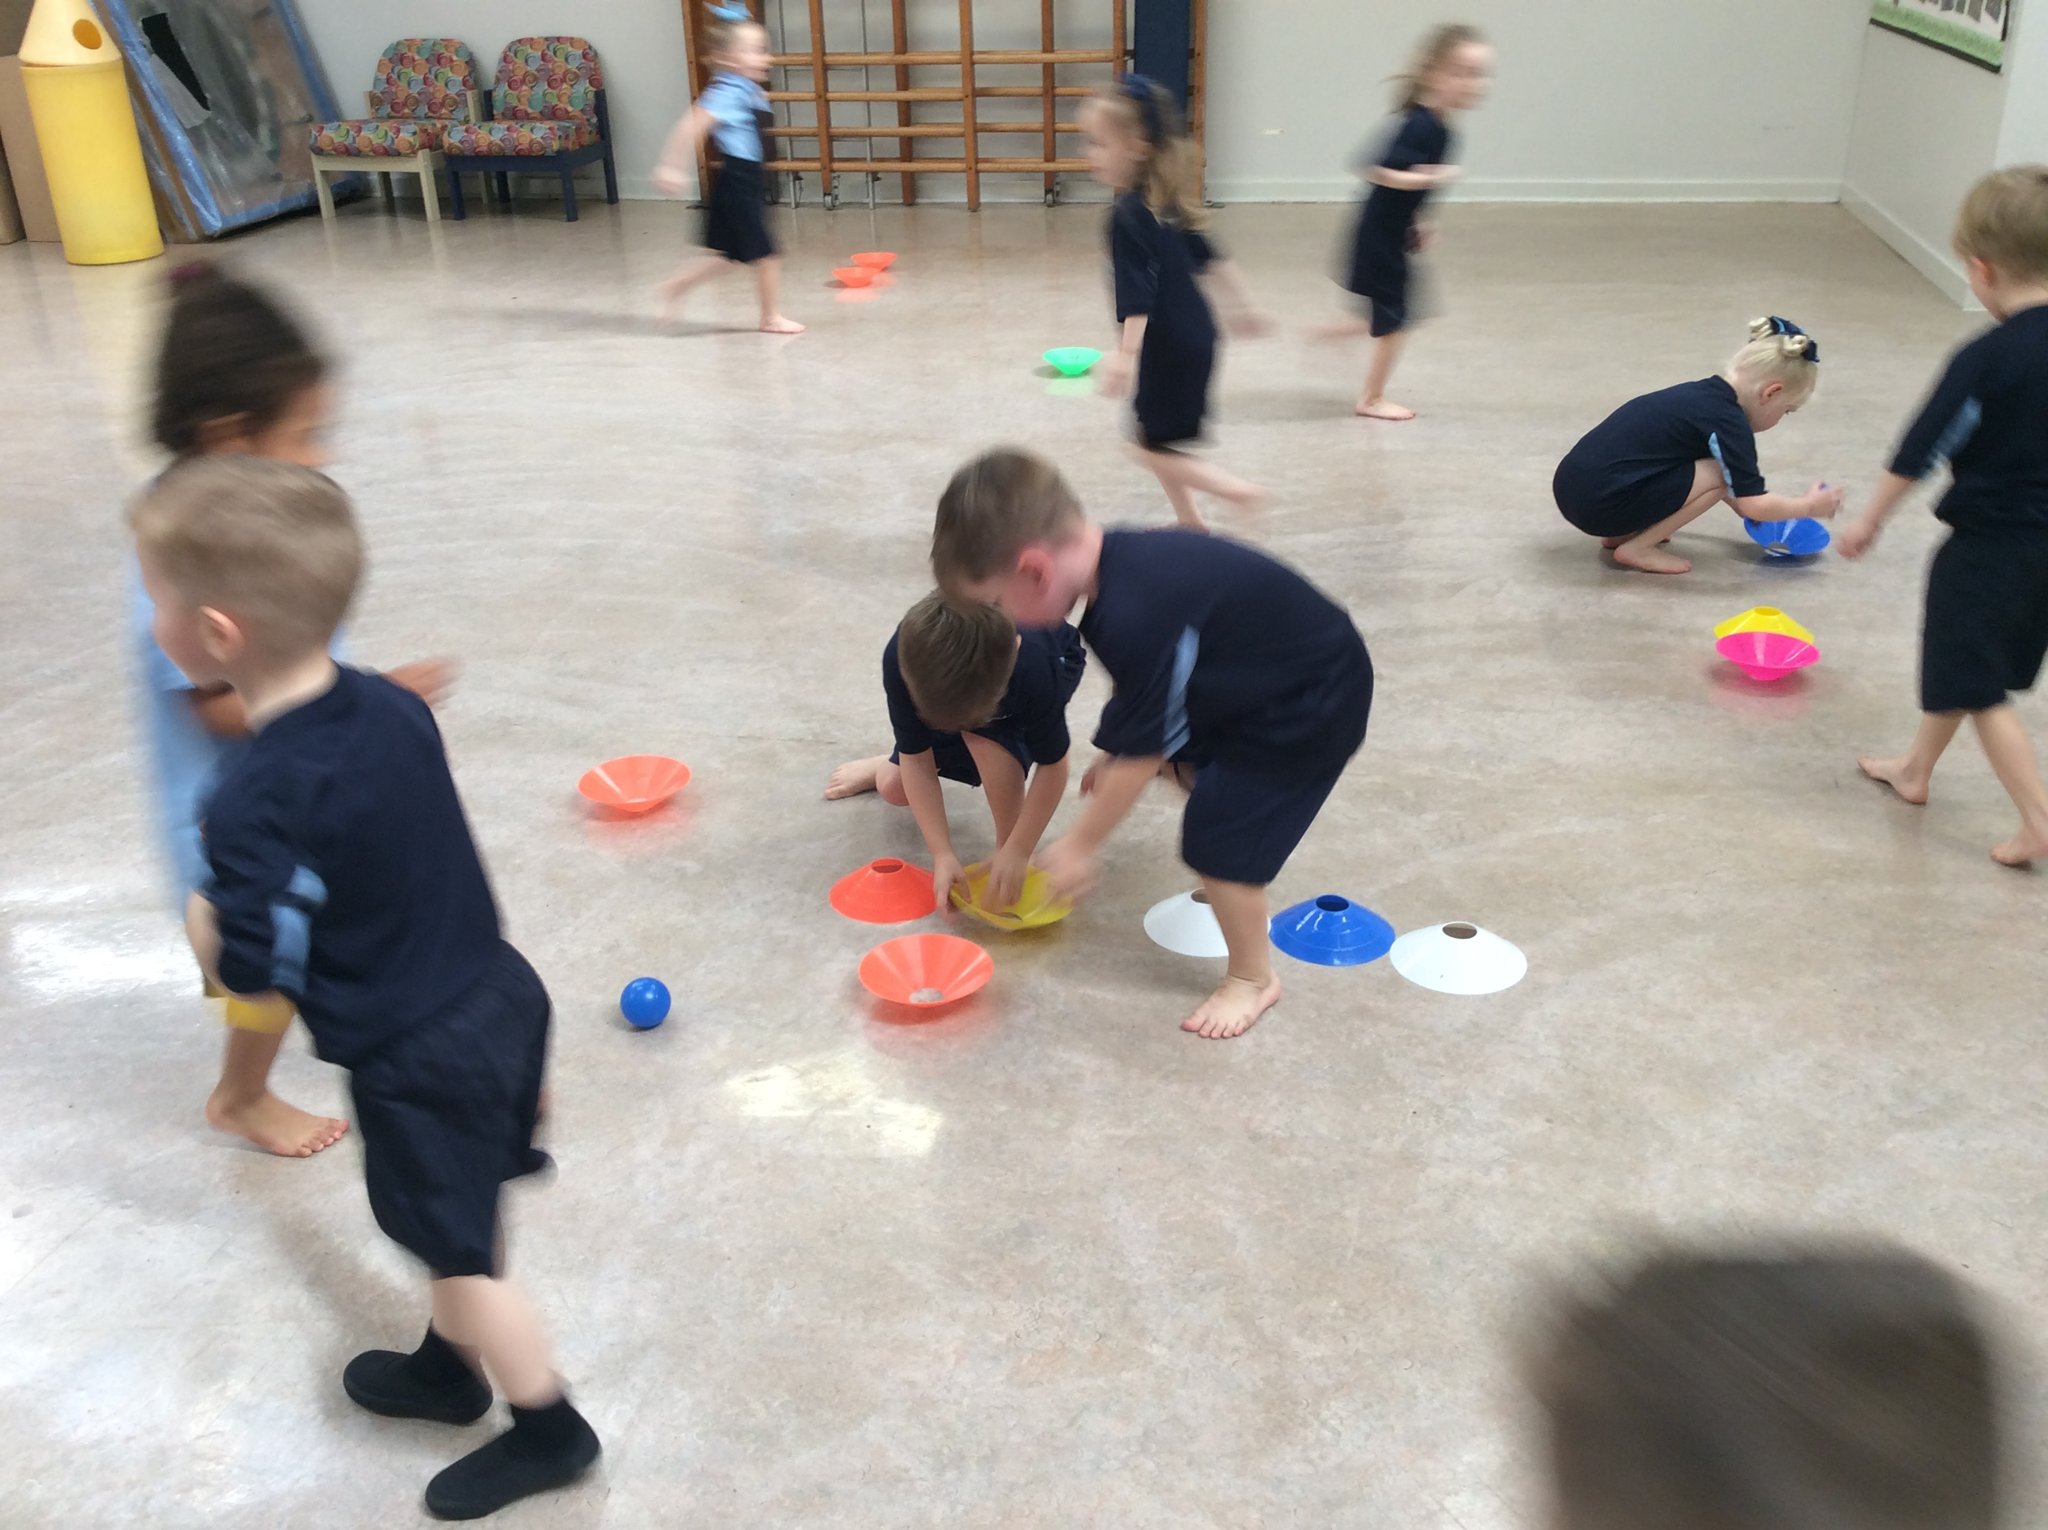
x,y
24,159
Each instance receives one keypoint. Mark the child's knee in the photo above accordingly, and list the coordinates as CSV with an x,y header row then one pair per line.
x,y
889,786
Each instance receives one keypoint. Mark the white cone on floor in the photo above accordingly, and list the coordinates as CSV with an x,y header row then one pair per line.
x,y
1186,926
1458,958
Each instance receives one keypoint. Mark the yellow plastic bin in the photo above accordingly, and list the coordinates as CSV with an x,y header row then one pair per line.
x,y
78,94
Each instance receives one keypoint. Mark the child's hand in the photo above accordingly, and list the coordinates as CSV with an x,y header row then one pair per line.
x,y
1421,238
1005,885
1113,375
1090,775
1073,870
428,679
947,874
670,180
1250,324
1826,503
1858,537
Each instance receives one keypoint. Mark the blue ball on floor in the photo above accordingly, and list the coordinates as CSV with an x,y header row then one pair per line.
x,y
644,1003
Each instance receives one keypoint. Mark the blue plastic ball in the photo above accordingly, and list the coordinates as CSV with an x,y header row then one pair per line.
x,y
644,1003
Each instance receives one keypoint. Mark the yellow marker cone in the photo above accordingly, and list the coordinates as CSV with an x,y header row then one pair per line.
x,y
78,94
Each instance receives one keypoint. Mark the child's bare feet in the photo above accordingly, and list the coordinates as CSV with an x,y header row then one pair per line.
x,y
1233,1008
776,324
1382,409
1650,560
2030,844
267,1122
854,777
1895,774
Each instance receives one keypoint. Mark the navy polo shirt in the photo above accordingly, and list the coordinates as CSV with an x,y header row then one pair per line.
x,y
1153,266
1988,419
1221,653
343,870
1652,434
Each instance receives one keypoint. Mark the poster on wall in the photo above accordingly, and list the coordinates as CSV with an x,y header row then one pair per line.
x,y
1971,29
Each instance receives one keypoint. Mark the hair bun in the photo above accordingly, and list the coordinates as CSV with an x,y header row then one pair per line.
x,y
1758,328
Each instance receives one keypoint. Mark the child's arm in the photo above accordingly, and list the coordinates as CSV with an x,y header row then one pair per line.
x,y
1860,534
220,710
928,806
1820,505
1113,376
266,1012
1012,859
1421,178
678,163
1071,860
1240,315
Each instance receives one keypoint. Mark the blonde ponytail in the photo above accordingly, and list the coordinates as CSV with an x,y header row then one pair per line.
x,y
1779,351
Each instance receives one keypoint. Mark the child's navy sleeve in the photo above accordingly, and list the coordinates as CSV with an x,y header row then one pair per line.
x,y
1148,715
1134,264
1732,442
1415,142
1946,421
264,890
1202,250
912,736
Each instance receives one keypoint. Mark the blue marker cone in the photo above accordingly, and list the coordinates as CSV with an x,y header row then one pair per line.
x,y
1332,931
1788,539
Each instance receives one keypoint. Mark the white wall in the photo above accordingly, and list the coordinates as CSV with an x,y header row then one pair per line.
x,y
1926,126
1597,99
2023,140
639,41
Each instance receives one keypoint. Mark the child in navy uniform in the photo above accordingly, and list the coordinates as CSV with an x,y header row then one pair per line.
x,y
1232,672
1450,74
1139,147
973,700
1986,628
734,111
1776,1388
1661,461
344,881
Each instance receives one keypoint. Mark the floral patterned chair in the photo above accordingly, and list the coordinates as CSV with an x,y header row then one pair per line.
x,y
547,114
424,86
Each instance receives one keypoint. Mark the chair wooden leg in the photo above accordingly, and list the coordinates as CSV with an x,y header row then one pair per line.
x,y
455,194
569,196
428,195
320,190
390,196
505,191
611,176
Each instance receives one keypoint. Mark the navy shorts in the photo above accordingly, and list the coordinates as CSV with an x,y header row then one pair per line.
x,y
1619,513
1241,825
956,762
1986,629
1172,398
446,1114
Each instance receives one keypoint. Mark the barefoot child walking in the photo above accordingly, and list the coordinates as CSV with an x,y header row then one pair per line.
x,y
343,880
1231,672
1138,146
1660,462
1986,627
236,375
1450,74
734,111
973,700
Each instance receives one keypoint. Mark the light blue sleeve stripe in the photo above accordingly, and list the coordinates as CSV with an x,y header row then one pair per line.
x,y
1959,431
291,922
1176,732
1714,446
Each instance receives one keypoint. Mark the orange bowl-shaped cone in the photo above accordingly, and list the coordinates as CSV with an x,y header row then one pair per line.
x,y
887,891
925,970
853,276
634,783
876,260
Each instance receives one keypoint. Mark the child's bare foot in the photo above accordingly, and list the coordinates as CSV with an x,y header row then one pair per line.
x,y
1895,774
1249,497
1382,409
854,777
267,1122
1650,560
1234,1008
2030,844
776,324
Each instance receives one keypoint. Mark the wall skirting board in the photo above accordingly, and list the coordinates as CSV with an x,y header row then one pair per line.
x,y
1931,261
1489,189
